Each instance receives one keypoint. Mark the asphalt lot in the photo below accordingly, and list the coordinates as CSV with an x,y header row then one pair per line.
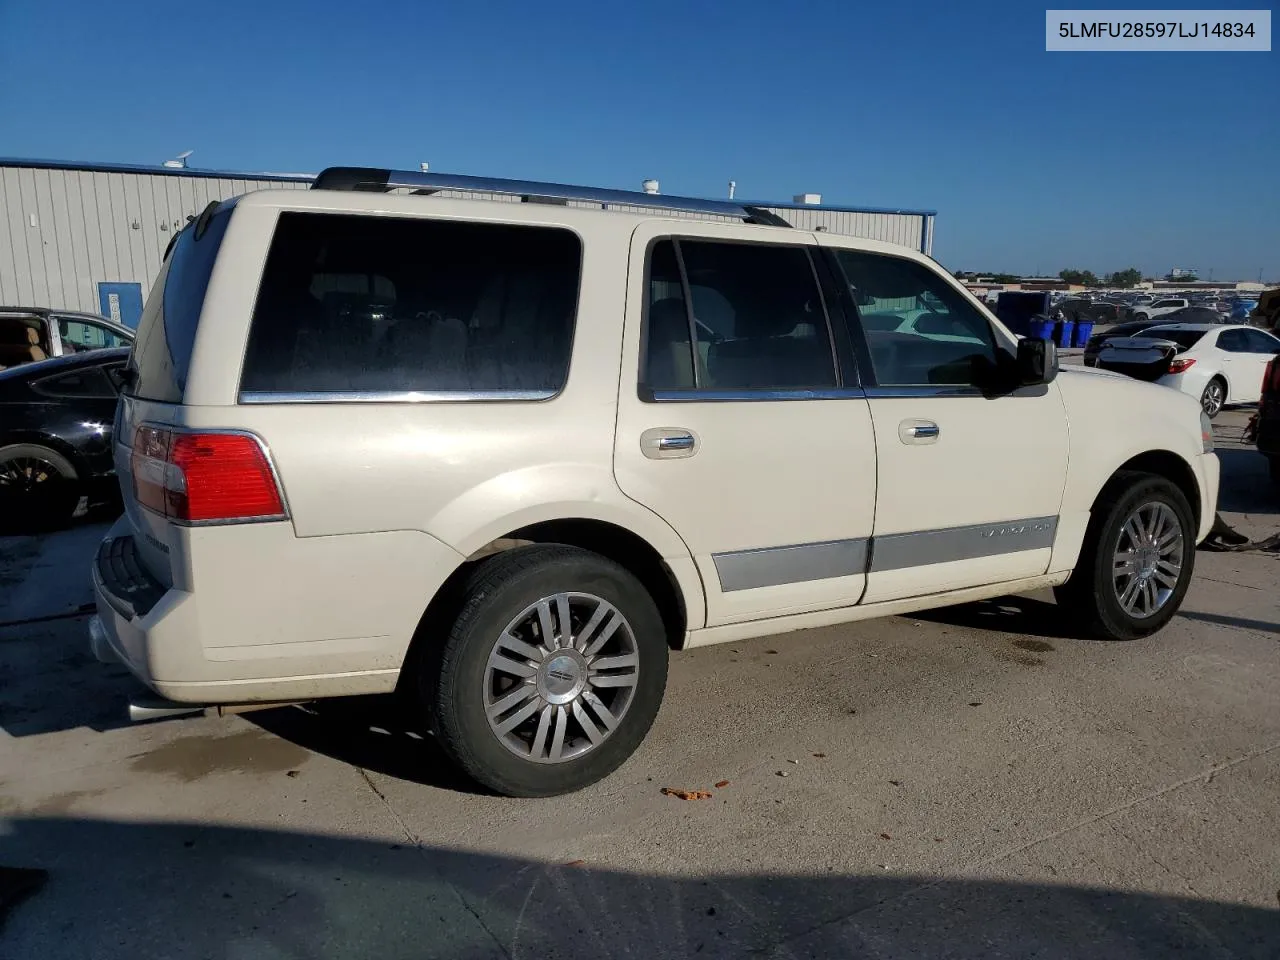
x,y
971,782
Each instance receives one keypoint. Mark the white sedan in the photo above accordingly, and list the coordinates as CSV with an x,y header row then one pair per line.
x,y
1219,364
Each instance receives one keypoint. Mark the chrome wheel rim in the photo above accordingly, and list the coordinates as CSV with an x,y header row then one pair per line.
x,y
1211,401
561,677
1147,562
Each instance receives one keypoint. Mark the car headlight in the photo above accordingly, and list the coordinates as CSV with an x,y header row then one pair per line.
x,y
1206,432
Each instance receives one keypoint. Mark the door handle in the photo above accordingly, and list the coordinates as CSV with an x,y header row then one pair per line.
x,y
668,443
918,431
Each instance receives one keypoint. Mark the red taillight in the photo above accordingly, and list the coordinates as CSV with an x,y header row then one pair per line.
x,y
1181,364
204,477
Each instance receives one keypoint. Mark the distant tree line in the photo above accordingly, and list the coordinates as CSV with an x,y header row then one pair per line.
x,y
1121,278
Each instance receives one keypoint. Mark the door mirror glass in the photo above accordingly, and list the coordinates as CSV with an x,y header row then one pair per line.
x,y
1037,362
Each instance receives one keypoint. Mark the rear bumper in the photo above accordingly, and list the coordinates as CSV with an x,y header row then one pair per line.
x,y
275,617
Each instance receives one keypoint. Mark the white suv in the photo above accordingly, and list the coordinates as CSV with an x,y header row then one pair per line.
x,y
1159,308
503,456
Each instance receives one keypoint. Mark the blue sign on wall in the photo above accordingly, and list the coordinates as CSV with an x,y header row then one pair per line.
x,y
121,302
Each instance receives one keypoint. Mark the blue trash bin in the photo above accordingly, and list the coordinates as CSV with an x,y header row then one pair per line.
x,y
1065,330
1040,328
1084,330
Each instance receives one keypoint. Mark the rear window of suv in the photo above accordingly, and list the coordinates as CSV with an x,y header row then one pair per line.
x,y
363,307
167,331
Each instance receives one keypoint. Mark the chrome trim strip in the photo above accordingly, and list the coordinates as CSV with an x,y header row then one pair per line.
x,y
403,396
721,396
773,566
924,390
901,550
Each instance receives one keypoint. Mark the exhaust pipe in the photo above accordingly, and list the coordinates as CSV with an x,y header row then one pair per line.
x,y
145,707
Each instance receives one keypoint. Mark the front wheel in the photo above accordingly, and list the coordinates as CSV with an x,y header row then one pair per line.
x,y
1137,559
1214,396
552,674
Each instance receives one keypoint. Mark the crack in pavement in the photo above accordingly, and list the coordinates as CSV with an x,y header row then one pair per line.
x,y
416,841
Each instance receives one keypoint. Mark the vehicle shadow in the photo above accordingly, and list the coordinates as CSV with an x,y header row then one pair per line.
x,y
1262,626
374,733
1014,615
118,890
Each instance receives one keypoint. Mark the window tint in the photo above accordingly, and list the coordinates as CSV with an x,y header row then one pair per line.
x,y
390,305
754,319
80,335
1233,341
89,382
920,330
1258,342
167,330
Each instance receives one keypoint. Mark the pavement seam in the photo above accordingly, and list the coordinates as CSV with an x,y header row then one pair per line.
x,y
416,841
1205,775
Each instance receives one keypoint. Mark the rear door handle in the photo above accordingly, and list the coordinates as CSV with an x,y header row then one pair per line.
x,y
918,431
668,443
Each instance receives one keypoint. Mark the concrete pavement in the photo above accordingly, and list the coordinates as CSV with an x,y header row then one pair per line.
x,y
974,782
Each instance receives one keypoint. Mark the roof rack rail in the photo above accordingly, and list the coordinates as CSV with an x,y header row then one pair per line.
x,y
377,180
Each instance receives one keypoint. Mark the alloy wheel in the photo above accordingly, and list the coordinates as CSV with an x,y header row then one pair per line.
x,y
1212,398
1147,561
561,677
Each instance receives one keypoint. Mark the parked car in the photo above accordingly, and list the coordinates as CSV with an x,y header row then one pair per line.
x,y
1193,314
1160,307
1076,309
508,485
1218,364
28,334
56,421
1127,329
1268,423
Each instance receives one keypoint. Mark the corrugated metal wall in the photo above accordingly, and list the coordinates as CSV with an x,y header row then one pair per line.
x,y
908,229
62,232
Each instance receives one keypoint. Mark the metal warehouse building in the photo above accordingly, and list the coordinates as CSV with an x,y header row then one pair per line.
x,y
86,236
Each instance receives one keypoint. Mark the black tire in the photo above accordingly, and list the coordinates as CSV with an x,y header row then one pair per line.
x,y
1090,595
453,676
1212,404
38,486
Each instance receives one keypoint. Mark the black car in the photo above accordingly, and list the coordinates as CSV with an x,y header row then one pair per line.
x,y
1129,329
1094,311
56,420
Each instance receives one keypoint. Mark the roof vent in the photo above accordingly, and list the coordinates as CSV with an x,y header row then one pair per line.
x,y
649,186
810,198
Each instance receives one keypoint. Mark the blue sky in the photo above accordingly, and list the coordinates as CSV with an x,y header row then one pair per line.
x,y
1035,161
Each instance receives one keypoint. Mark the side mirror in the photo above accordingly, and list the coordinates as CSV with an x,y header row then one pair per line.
x,y
1037,362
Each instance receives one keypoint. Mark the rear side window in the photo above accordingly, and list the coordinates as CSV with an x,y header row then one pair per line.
x,y
382,305
90,382
1185,339
734,317
167,331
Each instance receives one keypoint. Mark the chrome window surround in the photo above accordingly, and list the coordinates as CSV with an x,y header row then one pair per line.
x,y
396,396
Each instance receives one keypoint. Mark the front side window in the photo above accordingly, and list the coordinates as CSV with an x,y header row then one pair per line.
x,y
87,382
361,304
1258,342
734,317
81,335
918,328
